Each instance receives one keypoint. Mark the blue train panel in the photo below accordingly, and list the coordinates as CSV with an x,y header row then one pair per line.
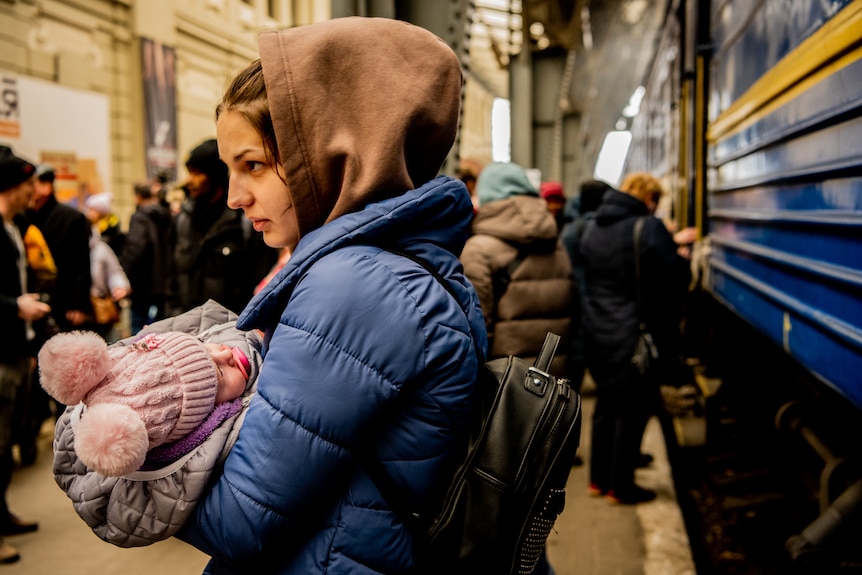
x,y
752,36
833,97
828,347
785,192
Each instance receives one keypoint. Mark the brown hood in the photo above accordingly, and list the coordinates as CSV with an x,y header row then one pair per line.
x,y
363,109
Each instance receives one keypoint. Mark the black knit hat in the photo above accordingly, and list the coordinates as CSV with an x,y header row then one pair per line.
x,y
204,158
45,173
13,170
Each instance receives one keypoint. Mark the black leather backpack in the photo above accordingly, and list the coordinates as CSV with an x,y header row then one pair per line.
x,y
502,499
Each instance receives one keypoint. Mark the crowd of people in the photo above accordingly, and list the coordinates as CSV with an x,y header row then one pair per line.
x,y
589,296
364,354
72,270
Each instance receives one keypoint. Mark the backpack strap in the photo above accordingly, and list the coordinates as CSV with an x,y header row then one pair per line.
x,y
546,356
636,233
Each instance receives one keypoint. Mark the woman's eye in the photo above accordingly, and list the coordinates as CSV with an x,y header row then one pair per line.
x,y
253,166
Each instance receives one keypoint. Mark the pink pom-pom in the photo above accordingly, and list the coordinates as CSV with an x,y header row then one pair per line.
x,y
71,364
112,439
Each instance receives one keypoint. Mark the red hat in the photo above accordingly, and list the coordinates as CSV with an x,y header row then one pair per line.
x,y
552,190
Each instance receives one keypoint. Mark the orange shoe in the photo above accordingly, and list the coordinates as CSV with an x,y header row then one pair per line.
x,y
594,490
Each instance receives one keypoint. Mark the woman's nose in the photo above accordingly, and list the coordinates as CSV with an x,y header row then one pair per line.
x,y
237,198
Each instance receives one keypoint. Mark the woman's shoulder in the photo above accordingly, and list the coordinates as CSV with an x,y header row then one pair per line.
x,y
358,272
369,285
655,232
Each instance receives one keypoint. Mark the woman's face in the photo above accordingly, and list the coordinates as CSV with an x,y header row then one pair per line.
x,y
255,183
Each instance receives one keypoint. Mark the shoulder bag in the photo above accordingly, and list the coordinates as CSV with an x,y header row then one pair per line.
x,y
645,353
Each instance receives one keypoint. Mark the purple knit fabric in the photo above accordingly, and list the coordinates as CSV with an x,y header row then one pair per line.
x,y
161,455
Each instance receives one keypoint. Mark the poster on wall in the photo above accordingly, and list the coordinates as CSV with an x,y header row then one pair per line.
x,y
10,116
157,65
45,122
67,186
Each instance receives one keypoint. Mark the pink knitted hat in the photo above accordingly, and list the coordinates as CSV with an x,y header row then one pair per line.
x,y
138,396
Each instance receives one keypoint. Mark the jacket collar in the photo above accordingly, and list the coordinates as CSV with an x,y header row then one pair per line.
x,y
436,214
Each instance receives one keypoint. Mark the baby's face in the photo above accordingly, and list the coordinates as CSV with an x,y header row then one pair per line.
x,y
231,378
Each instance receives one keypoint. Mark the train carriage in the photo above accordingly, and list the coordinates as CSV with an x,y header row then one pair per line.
x,y
753,119
785,206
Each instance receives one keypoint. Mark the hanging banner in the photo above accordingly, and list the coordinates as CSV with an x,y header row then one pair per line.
x,y
157,64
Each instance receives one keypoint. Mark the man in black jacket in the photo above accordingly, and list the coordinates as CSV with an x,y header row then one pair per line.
x,y
67,235
146,254
212,250
18,309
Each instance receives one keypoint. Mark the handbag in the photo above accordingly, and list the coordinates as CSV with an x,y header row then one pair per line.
x,y
105,310
646,353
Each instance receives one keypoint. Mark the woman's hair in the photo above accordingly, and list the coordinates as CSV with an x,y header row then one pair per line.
x,y
642,185
246,94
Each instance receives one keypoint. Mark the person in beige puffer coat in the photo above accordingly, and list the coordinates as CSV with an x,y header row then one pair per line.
x,y
541,294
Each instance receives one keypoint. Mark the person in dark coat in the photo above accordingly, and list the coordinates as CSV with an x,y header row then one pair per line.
x,y
18,310
578,211
209,259
625,399
66,231
146,256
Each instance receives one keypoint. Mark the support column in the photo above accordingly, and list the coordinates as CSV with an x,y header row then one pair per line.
x,y
521,105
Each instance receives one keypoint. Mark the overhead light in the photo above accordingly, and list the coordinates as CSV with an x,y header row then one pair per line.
x,y
634,106
612,157
586,29
501,134
633,11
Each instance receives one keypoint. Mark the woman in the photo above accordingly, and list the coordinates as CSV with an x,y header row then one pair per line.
x,y
520,270
108,281
625,399
333,139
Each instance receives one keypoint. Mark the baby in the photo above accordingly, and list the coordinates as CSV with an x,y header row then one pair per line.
x,y
190,368
146,403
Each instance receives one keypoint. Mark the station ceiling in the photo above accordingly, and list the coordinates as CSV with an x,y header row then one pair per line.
x,y
610,43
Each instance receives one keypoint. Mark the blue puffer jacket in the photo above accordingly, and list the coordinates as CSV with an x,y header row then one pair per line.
x,y
366,355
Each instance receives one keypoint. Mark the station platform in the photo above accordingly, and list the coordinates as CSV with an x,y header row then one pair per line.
x,y
591,537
